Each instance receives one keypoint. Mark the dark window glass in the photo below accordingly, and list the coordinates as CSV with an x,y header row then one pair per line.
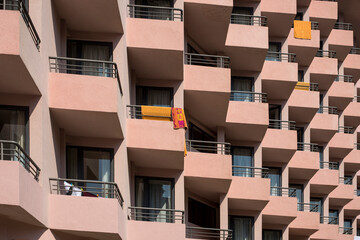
x,y
243,157
299,16
300,76
333,216
201,214
206,145
274,46
299,192
154,96
274,112
242,227
272,235
300,134
319,202
241,88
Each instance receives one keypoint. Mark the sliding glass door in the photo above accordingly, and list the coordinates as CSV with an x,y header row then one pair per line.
x,y
242,227
272,234
243,161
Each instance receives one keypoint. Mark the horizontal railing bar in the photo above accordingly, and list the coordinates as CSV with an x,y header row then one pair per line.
x,y
157,209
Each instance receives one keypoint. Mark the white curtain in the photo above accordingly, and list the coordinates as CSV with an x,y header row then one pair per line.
x,y
242,228
245,85
96,52
272,235
243,157
17,134
159,97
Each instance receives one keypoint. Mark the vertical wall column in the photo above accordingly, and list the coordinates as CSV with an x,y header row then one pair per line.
x,y
220,138
224,209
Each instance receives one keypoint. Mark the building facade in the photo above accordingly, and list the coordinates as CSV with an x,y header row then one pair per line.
x,y
88,146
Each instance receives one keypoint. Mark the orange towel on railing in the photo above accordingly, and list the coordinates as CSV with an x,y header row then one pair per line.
x,y
303,86
156,113
302,29
185,150
179,119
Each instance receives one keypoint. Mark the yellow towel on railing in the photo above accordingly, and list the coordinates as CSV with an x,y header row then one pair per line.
x,y
156,113
302,29
303,86
185,150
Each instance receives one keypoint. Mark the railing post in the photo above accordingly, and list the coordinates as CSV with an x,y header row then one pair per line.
x,y
2,148
103,70
58,187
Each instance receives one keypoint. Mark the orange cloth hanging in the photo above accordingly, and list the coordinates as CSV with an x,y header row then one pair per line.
x,y
156,113
179,119
303,86
302,29
185,150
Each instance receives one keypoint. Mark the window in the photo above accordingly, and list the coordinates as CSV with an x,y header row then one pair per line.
x,y
242,88
239,18
243,161
274,112
159,3
196,133
154,96
201,214
274,48
299,16
14,125
275,181
333,216
154,13
299,191
154,193
272,235
300,75
242,227
300,134
348,226
319,203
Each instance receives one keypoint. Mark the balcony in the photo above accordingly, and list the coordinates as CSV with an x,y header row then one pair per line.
x,y
279,143
282,192
307,220
352,209
324,68
325,13
303,102
303,165
352,113
155,223
74,97
245,53
329,220
160,55
21,197
280,15
207,168
324,125
351,161
305,50
251,126
342,143
352,64
207,86
164,151
279,75
324,181
341,195
208,233
346,231
326,231
341,92
82,16
341,39
249,189
212,17
70,198
19,55
280,210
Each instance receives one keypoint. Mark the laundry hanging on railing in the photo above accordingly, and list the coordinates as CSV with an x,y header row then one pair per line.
x,y
302,29
156,113
179,118
303,86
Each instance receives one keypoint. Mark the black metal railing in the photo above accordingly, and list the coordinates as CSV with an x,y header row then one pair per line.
x,y
85,67
329,165
308,207
208,233
244,19
346,230
207,60
244,96
280,57
327,109
310,87
156,215
325,53
282,192
312,147
85,188
346,180
12,151
357,146
343,26
356,99
19,5
242,171
222,148
345,129
135,112
329,220
278,124
344,78
355,50
154,12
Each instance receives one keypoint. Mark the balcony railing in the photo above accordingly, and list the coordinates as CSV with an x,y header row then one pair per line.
x,y
329,165
244,19
207,60
311,87
12,151
242,171
222,148
356,99
278,124
282,192
85,67
280,57
329,220
312,147
357,146
355,50
18,5
345,129
344,78
156,215
244,96
346,230
308,207
134,112
325,53
357,192
343,26
346,180
208,233
154,12
327,109
85,188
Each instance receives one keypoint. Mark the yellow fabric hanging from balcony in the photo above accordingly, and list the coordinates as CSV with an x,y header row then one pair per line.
x,y
302,29
303,86
156,113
